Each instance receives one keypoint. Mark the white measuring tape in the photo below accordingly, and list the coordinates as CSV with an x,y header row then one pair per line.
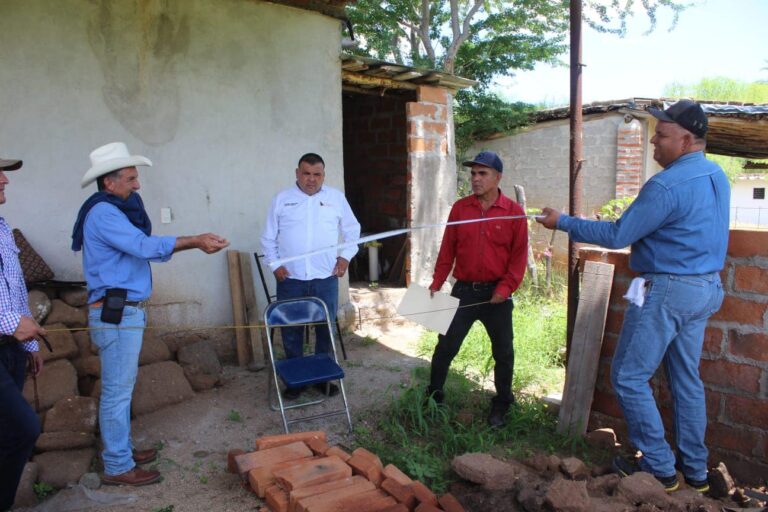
x,y
394,232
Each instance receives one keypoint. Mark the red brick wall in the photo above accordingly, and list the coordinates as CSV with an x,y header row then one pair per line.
x,y
376,163
629,159
734,365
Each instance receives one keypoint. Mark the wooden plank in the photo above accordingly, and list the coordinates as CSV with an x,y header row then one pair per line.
x,y
257,343
238,307
581,375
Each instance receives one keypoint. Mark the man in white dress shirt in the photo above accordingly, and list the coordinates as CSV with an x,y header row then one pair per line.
x,y
304,218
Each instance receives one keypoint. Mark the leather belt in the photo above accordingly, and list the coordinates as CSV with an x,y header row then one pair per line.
x,y
479,285
133,303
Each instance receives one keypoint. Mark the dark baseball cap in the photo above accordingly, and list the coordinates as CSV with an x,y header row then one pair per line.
x,y
9,165
687,114
488,159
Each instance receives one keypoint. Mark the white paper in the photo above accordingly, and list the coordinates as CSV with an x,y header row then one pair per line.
x,y
435,313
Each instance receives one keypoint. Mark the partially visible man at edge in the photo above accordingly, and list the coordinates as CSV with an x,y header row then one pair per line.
x,y
19,425
678,230
489,260
115,233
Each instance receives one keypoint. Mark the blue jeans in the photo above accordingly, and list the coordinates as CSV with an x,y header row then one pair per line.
x,y
669,328
119,352
326,290
19,426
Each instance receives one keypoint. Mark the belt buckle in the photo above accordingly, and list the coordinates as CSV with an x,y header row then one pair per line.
x,y
478,285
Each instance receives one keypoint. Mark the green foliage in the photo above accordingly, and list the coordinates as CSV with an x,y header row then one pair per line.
x,y
613,209
42,490
482,40
480,114
234,415
720,88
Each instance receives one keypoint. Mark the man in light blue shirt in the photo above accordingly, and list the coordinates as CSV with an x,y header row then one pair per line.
x,y
301,219
678,230
115,234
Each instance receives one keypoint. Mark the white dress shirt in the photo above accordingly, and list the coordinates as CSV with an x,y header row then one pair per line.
x,y
298,223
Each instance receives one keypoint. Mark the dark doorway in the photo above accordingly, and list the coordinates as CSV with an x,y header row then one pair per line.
x,y
376,178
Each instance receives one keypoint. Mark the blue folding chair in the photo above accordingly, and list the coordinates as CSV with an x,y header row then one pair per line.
x,y
306,370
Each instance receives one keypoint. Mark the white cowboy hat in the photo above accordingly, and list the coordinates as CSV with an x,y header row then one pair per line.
x,y
111,157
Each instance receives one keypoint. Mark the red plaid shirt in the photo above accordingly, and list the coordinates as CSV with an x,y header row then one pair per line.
x,y
494,250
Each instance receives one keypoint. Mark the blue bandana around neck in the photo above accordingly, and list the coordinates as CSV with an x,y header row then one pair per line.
x,y
133,208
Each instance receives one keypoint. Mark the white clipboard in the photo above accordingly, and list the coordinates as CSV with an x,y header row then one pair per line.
x,y
435,313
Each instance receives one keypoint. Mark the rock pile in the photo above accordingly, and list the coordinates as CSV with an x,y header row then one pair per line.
x,y
546,482
67,392
301,473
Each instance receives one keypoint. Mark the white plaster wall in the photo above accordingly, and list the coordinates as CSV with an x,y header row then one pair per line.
x,y
222,96
744,209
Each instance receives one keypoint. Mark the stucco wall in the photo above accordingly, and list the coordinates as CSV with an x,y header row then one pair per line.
x,y
222,96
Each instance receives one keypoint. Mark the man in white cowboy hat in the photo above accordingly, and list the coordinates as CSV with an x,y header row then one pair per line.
x,y
115,234
19,425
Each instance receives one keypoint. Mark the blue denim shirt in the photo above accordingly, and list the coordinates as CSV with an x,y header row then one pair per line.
x,y
677,225
116,254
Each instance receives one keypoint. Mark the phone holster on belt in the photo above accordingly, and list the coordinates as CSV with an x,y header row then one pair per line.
x,y
112,308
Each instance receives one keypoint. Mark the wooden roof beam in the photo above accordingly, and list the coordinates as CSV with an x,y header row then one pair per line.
x,y
374,81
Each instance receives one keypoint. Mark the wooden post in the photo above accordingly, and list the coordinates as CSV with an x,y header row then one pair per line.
x,y
581,375
238,307
257,342
520,194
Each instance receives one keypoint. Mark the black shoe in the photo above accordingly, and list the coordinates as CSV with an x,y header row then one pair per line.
x,y
332,389
293,393
435,394
498,411
625,467
701,486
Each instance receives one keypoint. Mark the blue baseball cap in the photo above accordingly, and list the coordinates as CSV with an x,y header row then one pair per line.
x,y
488,159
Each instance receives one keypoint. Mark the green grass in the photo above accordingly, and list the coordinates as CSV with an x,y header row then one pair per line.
x,y
422,438
42,490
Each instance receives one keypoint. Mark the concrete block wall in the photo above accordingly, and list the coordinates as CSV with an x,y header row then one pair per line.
x,y
431,175
734,364
537,159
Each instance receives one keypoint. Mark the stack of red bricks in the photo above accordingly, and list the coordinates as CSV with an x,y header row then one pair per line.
x,y
301,473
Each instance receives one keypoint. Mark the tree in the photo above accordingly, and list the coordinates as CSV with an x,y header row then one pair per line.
x,y
482,40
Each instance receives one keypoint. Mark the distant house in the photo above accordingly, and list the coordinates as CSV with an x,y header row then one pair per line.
x,y
618,155
749,206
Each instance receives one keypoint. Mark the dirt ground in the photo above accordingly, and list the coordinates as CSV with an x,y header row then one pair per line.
x,y
197,434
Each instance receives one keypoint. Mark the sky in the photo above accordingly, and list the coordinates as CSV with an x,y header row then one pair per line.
x,y
713,38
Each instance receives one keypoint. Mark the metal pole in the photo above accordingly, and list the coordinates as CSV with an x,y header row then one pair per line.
x,y
576,151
